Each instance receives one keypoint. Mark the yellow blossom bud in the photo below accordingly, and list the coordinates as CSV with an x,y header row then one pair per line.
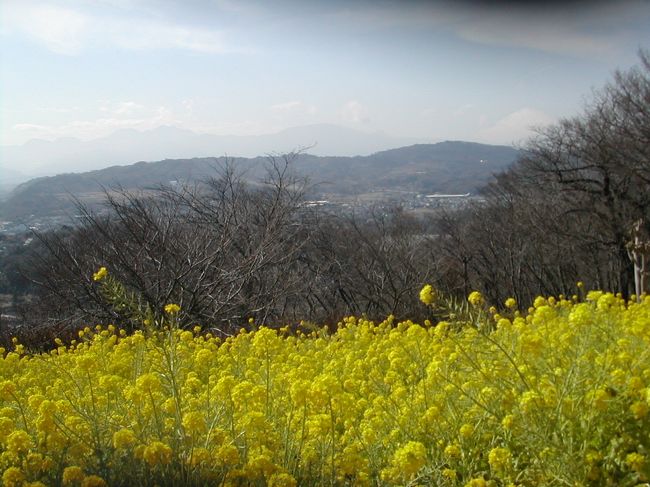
x,y
427,295
475,298
452,451
635,461
13,477
157,453
123,438
93,481
466,431
499,459
100,274
72,475
410,458
172,309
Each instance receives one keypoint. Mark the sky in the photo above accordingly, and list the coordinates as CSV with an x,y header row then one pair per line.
x,y
484,71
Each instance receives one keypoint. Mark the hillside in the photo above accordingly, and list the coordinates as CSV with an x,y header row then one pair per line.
x,y
446,167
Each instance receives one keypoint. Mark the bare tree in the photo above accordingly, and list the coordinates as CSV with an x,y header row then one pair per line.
x,y
566,211
224,250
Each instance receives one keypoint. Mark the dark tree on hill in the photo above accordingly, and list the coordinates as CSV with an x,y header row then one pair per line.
x,y
224,250
566,210
372,264
597,165
227,250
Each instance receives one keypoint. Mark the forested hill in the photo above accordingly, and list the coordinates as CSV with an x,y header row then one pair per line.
x,y
447,167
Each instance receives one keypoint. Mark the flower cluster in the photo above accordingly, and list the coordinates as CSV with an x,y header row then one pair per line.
x,y
172,309
559,396
427,295
100,274
475,298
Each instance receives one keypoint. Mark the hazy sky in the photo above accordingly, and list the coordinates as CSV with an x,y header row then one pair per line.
x,y
480,71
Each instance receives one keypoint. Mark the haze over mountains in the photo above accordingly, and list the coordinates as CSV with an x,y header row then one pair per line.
x,y
445,167
127,146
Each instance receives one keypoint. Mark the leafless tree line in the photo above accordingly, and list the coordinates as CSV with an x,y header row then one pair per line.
x,y
571,207
228,249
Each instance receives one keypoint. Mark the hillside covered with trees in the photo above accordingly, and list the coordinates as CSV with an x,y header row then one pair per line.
x,y
449,167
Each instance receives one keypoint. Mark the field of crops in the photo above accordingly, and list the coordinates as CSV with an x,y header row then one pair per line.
x,y
556,395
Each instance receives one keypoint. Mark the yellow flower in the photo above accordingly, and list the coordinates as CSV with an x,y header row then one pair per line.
x,y
100,274
149,382
504,323
172,309
507,421
123,438
449,473
7,390
475,298
601,398
635,461
174,403
228,455
639,409
282,480
194,422
33,463
157,453
510,303
260,463
427,295
93,481
539,302
199,456
499,459
466,431
594,295
19,442
452,451
72,475
410,458
13,477
593,456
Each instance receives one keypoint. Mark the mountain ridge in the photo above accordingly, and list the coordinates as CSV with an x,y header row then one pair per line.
x,y
126,146
446,167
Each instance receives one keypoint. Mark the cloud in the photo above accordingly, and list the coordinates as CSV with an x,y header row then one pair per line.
x,y
590,29
62,30
101,126
68,31
33,127
293,106
514,127
463,109
558,38
353,111
144,35
236,127
121,108
284,107
112,116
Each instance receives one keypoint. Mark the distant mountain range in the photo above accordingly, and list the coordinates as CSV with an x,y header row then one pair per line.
x,y
445,167
64,155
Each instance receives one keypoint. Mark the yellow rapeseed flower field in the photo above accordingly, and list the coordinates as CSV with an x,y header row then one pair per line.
x,y
559,396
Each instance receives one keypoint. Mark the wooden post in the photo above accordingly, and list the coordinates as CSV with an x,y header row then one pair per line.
x,y
639,251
